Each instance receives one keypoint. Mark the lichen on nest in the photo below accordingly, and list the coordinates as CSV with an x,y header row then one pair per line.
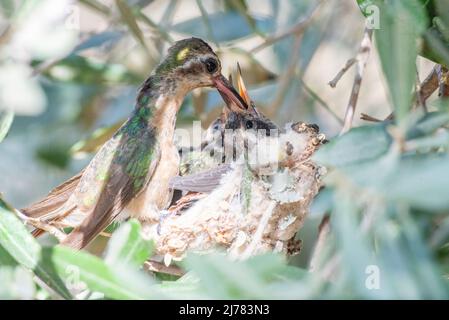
x,y
258,206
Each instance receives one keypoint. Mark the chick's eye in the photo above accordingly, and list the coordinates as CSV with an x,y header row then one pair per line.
x,y
211,65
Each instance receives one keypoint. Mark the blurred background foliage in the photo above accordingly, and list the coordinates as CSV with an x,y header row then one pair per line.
x,y
69,72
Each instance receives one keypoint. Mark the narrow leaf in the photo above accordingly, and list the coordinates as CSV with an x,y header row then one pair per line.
x,y
78,267
127,246
20,244
6,119
359,144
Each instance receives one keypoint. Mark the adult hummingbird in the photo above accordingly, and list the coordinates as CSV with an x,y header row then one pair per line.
x,y
132,170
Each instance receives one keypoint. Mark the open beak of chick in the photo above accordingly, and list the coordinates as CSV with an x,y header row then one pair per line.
x,y
236,101
231,97
244,92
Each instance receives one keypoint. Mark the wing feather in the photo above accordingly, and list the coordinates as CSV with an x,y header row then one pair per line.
x,y
204,181
130,170
54,200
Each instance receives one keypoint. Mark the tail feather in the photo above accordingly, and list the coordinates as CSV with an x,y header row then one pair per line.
x,y
37,233
54,200
53,206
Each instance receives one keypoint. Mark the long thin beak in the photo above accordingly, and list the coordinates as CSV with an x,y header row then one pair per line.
x,y
229,94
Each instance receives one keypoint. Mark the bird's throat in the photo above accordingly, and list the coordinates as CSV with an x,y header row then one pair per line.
x,y
164,118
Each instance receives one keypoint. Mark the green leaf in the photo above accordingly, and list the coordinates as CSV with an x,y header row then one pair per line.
x,y
423,144
85,70
237,280
186,287
6,259
6,119
78,267
364,6
436,44
96,140
401,24
358,145
436,47
428,124
130,20
7,7
20,244
322,203
98,40
354,247
225,26
127,246
16,283
422,181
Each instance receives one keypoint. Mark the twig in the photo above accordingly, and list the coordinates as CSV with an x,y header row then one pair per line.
x,y
296,29
362,58
348,65
367,117
155,266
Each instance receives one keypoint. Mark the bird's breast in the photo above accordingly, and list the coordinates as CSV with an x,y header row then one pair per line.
x,y
156,195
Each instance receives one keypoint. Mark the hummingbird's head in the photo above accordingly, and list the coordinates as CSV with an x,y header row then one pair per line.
x,y
191,63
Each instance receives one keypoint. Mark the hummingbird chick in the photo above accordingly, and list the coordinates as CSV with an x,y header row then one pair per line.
x,y
225,141
132,170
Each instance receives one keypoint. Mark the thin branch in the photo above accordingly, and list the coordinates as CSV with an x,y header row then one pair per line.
x,y
348,65
297,29
155,266
362,58
367,117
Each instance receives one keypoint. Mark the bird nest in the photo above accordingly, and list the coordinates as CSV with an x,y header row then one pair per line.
x,y
257,207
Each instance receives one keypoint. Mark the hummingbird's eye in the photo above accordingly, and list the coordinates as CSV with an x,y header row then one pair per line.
x,y
249,124
211,65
